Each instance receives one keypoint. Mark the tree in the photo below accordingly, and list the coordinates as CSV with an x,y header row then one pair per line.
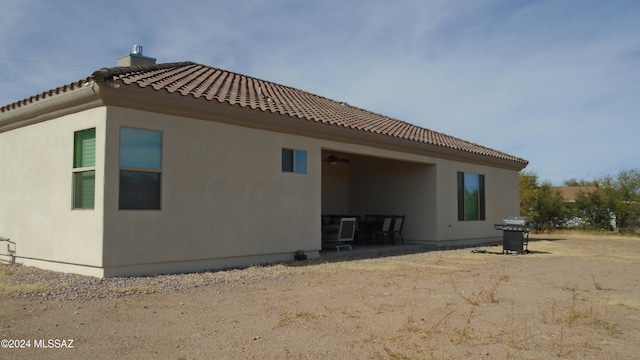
x,y
625,195
594,208
615,201
544,207
574,182
552,209
528,194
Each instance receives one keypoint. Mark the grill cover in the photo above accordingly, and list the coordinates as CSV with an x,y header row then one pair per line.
x,y
515,220
514,223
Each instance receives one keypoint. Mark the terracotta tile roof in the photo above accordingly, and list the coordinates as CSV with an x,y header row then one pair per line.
x,y
35,98
200,81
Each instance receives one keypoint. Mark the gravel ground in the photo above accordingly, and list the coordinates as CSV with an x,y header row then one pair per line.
x,y
46,285
572,297
49,285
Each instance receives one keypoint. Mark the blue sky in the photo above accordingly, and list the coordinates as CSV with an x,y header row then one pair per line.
x,y
554,82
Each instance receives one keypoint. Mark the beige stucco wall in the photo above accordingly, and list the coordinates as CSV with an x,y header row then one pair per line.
x,y
224,197
502,197
225,200
394,187
335,189
36,194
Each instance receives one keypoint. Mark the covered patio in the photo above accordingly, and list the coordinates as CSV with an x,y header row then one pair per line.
x,y
374,188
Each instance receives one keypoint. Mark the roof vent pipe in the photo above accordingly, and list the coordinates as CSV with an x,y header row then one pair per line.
x,y
137,50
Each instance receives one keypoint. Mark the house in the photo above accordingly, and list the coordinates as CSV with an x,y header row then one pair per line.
x,y
570,193
149,168
602,218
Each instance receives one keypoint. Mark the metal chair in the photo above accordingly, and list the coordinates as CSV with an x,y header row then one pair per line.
x,y
398,223
344,236
368,226
385,229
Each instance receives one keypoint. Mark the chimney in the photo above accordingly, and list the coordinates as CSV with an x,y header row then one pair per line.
x,y
135,58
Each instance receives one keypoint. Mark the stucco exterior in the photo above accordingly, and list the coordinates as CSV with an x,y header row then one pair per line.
x,y
225,200
36,185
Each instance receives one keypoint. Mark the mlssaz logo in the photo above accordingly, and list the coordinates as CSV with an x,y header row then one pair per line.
x,y
53,344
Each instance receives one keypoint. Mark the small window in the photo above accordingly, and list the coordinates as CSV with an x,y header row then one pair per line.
x,y
84,172
471,200
294,161
84,185
140,169
287,160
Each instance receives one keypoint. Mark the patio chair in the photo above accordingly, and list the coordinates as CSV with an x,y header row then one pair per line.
x,y
385,229
368,226
344,236
398,223
358,236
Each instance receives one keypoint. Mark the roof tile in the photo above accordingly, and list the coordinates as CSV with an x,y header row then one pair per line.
x,y
200,81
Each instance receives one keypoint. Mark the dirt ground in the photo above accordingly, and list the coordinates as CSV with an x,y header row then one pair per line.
x,y
573,297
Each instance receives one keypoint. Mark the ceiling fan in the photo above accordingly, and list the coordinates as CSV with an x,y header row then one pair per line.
x,y
332,159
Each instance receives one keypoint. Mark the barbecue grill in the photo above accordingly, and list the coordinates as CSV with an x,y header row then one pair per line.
x,y
515,234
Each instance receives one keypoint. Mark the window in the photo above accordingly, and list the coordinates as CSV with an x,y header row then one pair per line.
x,y
471,202
294,161
140,169
84,169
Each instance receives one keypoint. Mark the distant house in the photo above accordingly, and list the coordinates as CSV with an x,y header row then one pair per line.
x,y
153,168
570,193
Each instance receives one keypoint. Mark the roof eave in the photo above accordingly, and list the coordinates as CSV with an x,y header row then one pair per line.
x,y
337,133
148,99
54,104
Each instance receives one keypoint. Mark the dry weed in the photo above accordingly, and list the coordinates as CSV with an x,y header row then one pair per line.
x,y
483,296
517,333
579,312
288,318
466,333
7,288
596,284
615,300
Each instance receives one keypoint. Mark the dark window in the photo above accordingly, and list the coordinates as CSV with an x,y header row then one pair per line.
x,y
471,199
287,160
140,169
139,190
294,161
